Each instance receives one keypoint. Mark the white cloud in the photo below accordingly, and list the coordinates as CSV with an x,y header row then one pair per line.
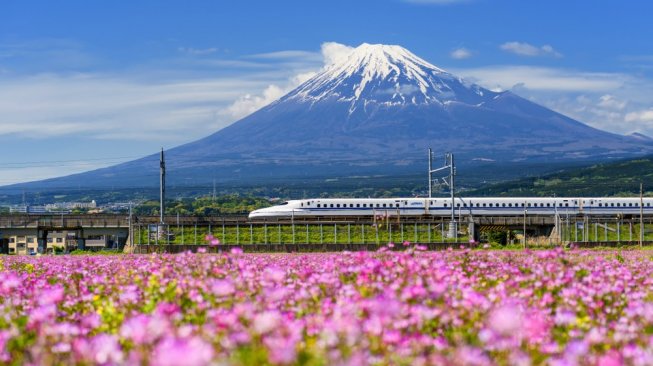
x,y
249,104
614,102
611,102
335,52
331,52
526,49
640,116
461,53
107,107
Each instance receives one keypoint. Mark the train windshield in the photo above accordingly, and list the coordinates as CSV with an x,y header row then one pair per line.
x,y
282,204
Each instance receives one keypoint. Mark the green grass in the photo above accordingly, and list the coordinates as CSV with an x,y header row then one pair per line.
x,y
598,233
315,234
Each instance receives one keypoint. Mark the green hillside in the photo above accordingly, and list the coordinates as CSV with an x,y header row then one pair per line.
x,y
607,179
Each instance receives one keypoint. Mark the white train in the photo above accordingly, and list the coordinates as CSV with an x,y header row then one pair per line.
x,y
489,206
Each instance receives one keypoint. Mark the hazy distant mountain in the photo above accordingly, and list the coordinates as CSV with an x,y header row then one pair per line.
x,y
374,113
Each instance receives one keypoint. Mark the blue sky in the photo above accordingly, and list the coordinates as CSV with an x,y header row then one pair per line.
x,y
85,84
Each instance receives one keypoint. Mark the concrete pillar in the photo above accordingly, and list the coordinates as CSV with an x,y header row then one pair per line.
x,y
415,237
348,233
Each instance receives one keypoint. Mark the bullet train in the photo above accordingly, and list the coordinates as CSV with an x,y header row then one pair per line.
x,y
489,206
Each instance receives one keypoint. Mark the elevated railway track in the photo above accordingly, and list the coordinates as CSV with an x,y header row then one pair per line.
x,y
315,233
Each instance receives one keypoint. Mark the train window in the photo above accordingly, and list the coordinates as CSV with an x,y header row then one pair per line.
x,y
302,204
396,205
332,205
490,205
445,205
548,205
529,204
504,205
566,205
358,205
457,204
384,205
364,204
484,205
648,204
378,205
318,205
618,204
479,205
630,204
509,205
337,205
600,205
464,205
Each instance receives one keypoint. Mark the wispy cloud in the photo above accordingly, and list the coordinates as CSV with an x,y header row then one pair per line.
x,y
645,116
330,52
288,55
615,102
198,51
460,53
526,49
543,78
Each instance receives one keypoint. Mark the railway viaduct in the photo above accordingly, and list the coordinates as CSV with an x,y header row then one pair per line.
x,y
42,233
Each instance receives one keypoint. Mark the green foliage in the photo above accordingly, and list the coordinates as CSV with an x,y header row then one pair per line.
x,y
497,237
205,206
609,179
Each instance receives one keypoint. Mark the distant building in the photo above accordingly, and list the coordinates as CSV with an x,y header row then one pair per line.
x,y
62,206
28,209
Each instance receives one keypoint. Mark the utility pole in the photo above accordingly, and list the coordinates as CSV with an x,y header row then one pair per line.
x,y
162,192
131,231
430,173
448,164
525,211
641,214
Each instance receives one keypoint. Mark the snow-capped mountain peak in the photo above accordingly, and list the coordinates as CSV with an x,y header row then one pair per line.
x,y
389,75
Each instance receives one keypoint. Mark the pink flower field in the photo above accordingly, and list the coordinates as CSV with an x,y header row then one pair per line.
x,y
401,308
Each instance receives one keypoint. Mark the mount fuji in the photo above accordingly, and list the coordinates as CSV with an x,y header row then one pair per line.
x,y
374,112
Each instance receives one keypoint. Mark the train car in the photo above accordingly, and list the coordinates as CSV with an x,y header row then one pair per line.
x,y
483,206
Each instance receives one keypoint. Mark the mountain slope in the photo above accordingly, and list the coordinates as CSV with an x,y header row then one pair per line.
x,y
375,112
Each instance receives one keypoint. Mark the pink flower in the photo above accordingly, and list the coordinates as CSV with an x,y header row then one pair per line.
x,y
222,288
506,320
266,321
182,351
52,295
